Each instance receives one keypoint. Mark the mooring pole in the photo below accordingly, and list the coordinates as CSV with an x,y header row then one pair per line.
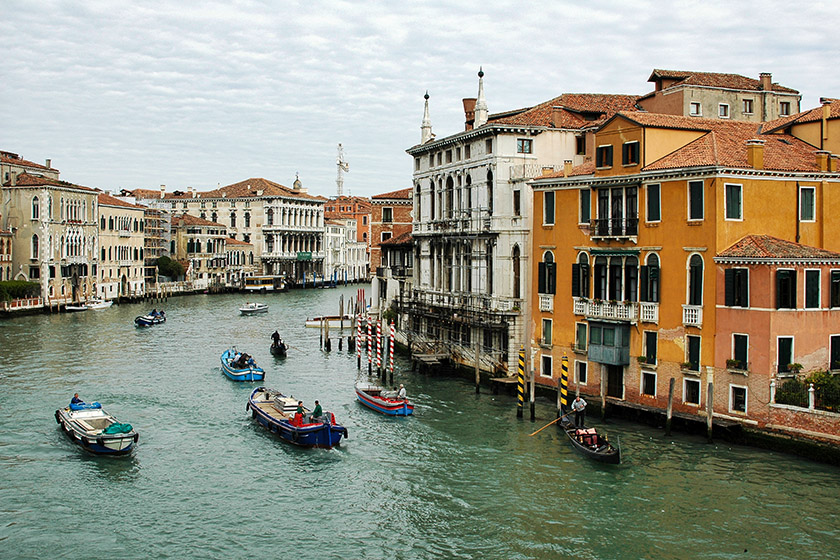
x,y
603,394
670,412
563,391
477,366
710,401
520,383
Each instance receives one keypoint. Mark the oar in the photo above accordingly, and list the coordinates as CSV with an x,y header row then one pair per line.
x,y
550,423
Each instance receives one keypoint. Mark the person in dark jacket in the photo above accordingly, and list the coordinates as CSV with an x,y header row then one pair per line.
x,y
76,399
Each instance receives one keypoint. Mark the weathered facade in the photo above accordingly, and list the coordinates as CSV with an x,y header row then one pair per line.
x,y
391,216
201,244
121,249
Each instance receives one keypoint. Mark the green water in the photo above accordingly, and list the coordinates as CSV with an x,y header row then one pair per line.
x,y
460,479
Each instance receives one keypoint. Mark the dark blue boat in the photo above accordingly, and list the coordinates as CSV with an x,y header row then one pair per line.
x,y
93,429
276,413
152,318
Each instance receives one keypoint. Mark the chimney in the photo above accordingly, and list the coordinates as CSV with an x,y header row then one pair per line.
x,y
192,192
13,178
469,112
826,114
567,168
822,159
766,79
755,153
162,190
49,163
556,114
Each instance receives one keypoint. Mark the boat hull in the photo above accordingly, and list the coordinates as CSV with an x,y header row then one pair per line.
x,y
253,373
76,424
277,351
384,405
604,451
253,309
148,320
325,435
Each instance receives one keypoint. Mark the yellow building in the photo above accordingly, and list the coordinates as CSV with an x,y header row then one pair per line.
x,y
624,278
201,244
121,248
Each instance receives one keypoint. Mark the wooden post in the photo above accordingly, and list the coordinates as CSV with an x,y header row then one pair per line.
x,y
710,401
520,385
603,394
670,407
477,368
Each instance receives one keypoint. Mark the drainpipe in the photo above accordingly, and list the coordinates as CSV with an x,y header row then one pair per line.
x,y
797,211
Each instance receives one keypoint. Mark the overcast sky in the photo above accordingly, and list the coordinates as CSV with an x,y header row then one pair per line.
x,y
139,94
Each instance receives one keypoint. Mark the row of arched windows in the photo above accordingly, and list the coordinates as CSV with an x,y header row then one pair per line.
x,y
122,253
121,223
212,246
454,197
74,210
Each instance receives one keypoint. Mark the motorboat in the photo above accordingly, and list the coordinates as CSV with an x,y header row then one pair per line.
x,y
240,366
93,429
99,304
152,318
381,400
278,414
252,308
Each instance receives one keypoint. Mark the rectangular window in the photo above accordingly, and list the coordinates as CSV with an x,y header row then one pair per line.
x,y
580,368
448,156
812,289
34,273
467,151
595,335
440,158
723,110
580,145
580,336
517,197
457,154
834,352
736,287
740,351
784,108
416,165
545,370
785,289
654,205
835,289
748,106
386,235
546,332
784,353
630,153
650,346
604,156
585,206
488,145
737,399
693,352
649,383
387,214
733,202
524,146
548,208
695,200
691,391
807,200
694,109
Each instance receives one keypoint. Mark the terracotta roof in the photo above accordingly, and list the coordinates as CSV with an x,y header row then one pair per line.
x,y
190,220
250,187
587,168
109,200
27,180
767,247
658,120
578,110
232,241
714,79
14,159
402,193
402,239
811,115
142,193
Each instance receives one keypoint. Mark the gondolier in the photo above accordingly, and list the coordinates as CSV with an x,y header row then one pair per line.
x,y
579,408
275,337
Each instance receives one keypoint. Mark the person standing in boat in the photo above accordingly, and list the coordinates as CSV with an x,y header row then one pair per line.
x,y
76,399
401,392
317,412
579,408
276,338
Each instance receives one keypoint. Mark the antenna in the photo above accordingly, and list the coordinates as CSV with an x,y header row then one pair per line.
x,y
343,167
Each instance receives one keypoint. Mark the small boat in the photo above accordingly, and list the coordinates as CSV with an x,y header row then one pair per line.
x,y
335,322
253,308
76,308
588,442
90,427
278,350
152,318
240,366
381,400
277,413
99,304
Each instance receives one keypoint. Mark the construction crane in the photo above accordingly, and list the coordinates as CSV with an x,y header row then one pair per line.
x,y
343,167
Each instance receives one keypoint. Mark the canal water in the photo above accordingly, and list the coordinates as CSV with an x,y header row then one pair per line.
x,y
460,479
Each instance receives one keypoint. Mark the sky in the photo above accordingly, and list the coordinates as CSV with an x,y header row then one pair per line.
x,y
135,94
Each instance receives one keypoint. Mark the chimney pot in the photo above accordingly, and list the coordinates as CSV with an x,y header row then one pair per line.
x,y
567,168
49,163
469,112
555,116
755,153
823,157
766,79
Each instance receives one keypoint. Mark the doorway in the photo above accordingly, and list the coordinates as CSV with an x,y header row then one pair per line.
x,y
615,381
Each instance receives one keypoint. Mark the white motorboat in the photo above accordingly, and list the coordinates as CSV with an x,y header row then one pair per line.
x,y
252,308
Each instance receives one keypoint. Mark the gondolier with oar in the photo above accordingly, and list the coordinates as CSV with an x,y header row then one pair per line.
x,y
579,408
276,338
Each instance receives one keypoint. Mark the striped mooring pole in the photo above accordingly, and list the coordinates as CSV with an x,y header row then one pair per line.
x,y
564,386
369,344
520,388
391,349
379,346
359,340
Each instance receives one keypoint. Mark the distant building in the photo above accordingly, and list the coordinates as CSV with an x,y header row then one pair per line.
x,y
391,216
13,164
121,248
345,258
239,263
6,239
393,282
202,245
719,96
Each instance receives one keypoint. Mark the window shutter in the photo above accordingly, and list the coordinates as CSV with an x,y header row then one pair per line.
x,y
551,270
729,287
643,283
743,288
575,280
541,278
599,157
584,272
779,276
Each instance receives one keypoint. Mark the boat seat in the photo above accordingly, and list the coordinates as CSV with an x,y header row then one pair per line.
x,y
85,425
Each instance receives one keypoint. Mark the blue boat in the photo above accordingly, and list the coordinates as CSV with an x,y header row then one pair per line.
x,y
154,317
240,366
277,414
383,401
93,429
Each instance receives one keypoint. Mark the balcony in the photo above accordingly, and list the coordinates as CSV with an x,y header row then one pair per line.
x,y
470,301
547,303
615,310
693,315
648,312
614,228
125,233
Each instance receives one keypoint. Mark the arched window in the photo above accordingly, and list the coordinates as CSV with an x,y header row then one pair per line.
x,y
103,254
631,279
516,272
36,208
468,194
580,276
417,213
247,219
35,247
432,200
599,284
547,274
490,193
450,186
111,223
695,280
233,219
102,223
269,217
649,279
214,217
615,280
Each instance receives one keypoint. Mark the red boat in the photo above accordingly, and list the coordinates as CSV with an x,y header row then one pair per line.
x,y
382,400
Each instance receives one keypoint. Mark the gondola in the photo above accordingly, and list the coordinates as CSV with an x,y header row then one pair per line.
x,y
590,443
278,350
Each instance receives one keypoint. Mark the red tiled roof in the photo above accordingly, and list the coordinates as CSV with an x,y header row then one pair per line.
x,y
109,200
714,79
142,193
190,220
402,239
811,115
401,194
250,187
14,159
232,241
577,110
587,168
768,247
27,180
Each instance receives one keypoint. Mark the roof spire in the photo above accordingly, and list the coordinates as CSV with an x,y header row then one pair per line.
x,y
481,103
426,127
